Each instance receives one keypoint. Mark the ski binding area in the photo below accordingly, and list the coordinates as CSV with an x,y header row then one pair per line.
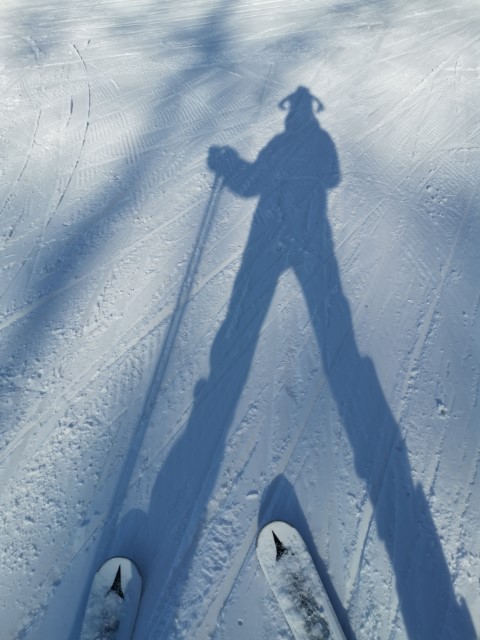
x,y
113,601
291,574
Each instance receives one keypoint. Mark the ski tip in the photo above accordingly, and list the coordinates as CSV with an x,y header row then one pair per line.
x,y
276,527
280,548
117,574
117,583
274,524
115,592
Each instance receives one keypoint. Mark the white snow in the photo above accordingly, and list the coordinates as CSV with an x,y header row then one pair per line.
x,y
155,406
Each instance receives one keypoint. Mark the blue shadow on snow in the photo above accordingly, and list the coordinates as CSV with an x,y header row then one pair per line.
x,y
290,230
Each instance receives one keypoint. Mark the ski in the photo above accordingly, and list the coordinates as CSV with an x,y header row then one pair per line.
x,y
113,601
292,576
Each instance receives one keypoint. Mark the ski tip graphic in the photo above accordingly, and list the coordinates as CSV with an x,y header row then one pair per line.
x,y
117,583
279,546
280,532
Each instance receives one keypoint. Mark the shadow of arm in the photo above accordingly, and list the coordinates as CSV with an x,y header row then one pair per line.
x,y
242,177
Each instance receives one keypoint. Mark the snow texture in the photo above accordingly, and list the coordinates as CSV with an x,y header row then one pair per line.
x,y
239,283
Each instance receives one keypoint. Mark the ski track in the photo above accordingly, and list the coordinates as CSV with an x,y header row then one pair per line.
x,y
114,166
139,332
427,325
22,171
82,144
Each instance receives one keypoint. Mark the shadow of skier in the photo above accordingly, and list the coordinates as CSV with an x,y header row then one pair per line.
x,y
290,230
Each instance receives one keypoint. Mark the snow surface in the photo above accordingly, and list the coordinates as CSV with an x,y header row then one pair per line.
x,y
185,357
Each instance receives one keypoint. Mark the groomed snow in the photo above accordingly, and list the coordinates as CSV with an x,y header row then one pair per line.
x,y
197,340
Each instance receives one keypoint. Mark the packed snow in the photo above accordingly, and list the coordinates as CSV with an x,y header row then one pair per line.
x,y
240,283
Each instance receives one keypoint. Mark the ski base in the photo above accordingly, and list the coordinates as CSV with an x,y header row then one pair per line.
x,y
292,576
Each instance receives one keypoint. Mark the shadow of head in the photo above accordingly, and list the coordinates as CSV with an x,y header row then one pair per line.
x,y
302,107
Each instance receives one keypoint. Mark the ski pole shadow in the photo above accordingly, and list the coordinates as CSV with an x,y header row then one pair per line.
x,y
280,502
290,230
